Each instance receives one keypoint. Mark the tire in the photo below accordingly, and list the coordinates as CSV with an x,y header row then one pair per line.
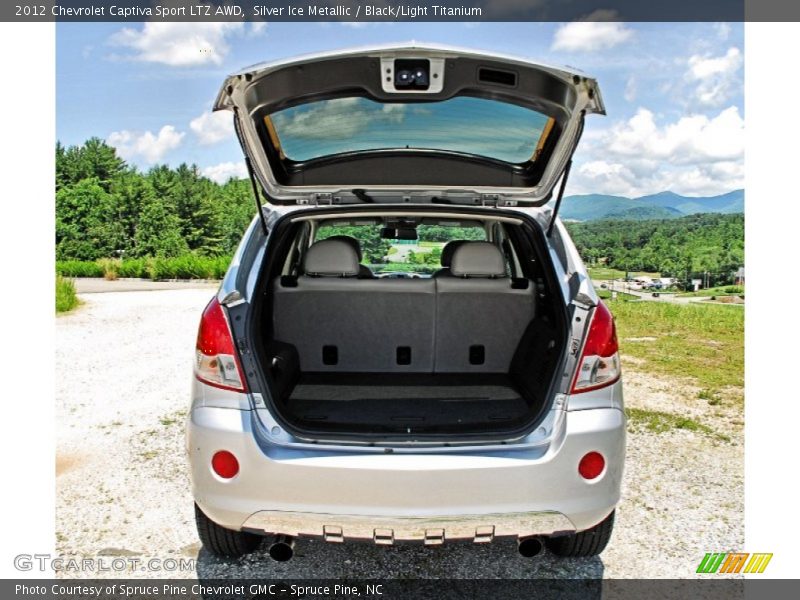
x,y
224,542
584,543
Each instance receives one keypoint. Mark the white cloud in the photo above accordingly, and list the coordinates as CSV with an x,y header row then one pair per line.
x,y
604,177
717,77
212,127
224,171
179,44
147,146
702,67
337,119
609,177
694,138
695,155
595,32
631,89
257,28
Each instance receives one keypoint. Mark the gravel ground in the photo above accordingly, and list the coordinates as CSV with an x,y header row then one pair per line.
x,y
123,363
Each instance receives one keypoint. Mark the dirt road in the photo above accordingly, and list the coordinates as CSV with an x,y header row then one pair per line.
x,y
123,370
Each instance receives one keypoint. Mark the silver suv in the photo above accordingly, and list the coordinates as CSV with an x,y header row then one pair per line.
x,y
407,346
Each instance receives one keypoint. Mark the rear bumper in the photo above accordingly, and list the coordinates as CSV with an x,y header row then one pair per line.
x,y
406,497
429,530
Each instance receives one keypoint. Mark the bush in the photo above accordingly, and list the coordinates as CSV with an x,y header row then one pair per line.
x,y
187,266
133,268
110,267
78,268
66,298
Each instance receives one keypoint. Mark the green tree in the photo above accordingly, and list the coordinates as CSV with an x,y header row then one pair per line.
x,y
373,246
86,228
237,209
94,159
159,233
131,192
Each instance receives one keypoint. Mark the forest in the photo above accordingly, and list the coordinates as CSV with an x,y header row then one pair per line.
x,y
681,248
107,209
173,222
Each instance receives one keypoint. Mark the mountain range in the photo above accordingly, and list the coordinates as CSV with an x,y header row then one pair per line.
x,y
664,205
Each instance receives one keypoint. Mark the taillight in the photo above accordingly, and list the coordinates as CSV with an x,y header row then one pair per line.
x,y
216,362
598,365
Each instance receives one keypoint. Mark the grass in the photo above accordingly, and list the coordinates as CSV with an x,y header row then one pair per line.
x,y
188,266
702,343
607,273
725,290
66,298
79,268
173,418
660,422
606,295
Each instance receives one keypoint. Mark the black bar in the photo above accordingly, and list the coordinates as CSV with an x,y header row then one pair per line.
x,y
712,587
256,195
560,197
396,10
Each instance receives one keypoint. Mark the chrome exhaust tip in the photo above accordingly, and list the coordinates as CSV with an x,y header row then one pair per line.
x,y
530,546
282,549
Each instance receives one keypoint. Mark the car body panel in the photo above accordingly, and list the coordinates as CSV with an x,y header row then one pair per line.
x,y
375,488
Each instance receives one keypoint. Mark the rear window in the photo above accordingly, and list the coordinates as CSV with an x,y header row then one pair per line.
x,y
402,258
475,126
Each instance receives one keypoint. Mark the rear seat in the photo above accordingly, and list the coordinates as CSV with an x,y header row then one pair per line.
x,y
480,316
470,322
341,323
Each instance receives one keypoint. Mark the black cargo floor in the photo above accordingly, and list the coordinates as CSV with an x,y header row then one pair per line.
x,y
394,402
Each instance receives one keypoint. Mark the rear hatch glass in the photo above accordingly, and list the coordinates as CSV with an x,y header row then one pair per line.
x,y
475,126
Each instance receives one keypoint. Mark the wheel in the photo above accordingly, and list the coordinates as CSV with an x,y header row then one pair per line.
x,y
584,543
221,541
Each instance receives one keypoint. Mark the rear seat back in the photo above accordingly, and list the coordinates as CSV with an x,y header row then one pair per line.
x,y
471,322
480,316
341,323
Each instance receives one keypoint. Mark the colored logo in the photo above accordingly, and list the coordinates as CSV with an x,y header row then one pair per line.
x,y
733,562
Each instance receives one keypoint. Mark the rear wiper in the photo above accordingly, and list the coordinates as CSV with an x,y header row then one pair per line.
x,y
363,196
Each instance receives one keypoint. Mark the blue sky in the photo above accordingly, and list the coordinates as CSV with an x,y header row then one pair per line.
x,y
673,92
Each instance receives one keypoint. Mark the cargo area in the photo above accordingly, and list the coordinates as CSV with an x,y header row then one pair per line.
x,y
469,349
391,402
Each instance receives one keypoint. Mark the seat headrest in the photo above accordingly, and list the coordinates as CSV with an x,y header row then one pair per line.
x,y
478,259
350,240
448,251
331,258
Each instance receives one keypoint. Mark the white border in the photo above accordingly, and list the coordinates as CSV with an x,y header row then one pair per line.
x,y
27,164
772,234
